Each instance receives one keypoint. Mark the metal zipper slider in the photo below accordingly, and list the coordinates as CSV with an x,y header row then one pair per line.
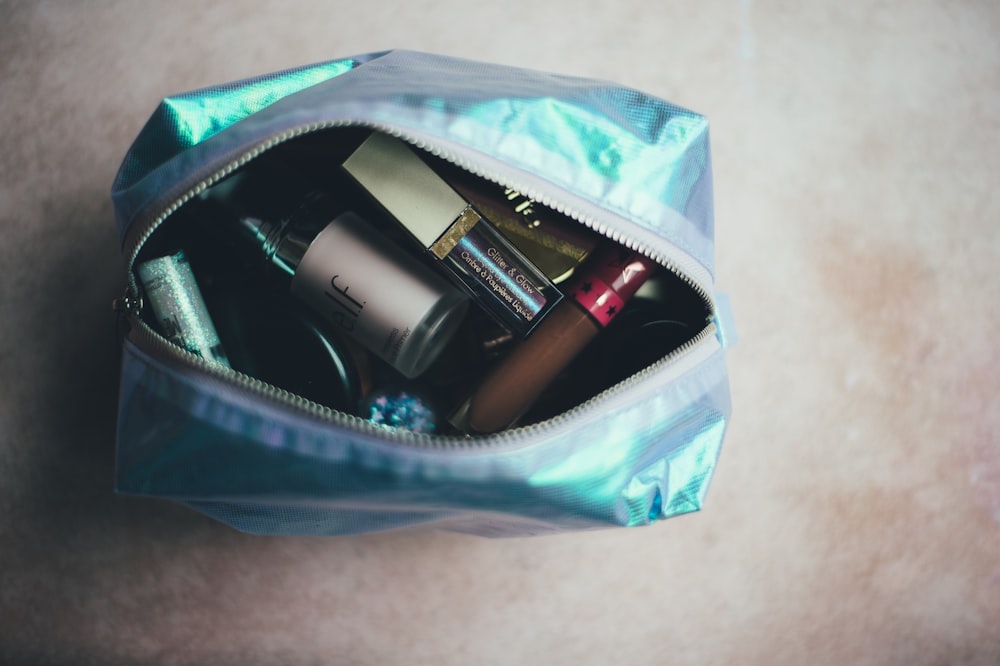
x,y
129,304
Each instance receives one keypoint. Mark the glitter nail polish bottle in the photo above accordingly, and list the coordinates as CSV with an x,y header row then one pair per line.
x,y
173,295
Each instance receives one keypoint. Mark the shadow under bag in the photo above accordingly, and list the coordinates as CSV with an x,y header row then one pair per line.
x,y
567,371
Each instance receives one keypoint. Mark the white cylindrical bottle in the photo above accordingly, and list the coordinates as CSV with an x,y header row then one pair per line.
x,y
361,282
358,279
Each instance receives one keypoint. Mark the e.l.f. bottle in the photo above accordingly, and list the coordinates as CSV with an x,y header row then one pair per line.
x,y
350,274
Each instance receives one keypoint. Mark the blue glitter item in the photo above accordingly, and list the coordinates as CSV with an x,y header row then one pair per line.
x,y
400,409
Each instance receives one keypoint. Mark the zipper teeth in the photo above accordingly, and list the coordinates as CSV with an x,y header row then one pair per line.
x,y
529,431
149,338
399,435
136,244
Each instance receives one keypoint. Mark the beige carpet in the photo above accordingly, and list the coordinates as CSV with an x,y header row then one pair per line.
x,y
855,517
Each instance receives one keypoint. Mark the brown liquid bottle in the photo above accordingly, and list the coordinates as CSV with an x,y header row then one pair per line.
x,y
599,292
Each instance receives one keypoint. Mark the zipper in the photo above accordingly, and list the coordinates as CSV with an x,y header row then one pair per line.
x,y
131,304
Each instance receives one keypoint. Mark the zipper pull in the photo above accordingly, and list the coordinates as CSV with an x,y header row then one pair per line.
x,y
127,307
130,304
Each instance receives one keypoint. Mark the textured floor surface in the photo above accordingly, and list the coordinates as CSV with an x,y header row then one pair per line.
x,y
855,516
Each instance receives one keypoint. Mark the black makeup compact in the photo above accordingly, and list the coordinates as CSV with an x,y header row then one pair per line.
x,y
658,319
653,324
280,343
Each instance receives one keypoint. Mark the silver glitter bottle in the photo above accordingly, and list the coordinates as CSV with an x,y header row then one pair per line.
x,y
173,294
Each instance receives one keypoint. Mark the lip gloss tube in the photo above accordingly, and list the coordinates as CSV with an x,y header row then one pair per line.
x,y
598,294
458,237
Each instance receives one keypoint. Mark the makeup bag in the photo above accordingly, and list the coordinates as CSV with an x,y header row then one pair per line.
x,y
632,168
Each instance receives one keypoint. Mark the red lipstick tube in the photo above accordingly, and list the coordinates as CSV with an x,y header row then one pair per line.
x,y
606,283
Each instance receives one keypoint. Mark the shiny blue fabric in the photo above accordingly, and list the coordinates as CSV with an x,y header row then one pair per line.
x,y
268,468
185,120
621,150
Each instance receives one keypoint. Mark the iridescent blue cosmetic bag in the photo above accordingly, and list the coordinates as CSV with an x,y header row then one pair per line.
x,y
628,433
